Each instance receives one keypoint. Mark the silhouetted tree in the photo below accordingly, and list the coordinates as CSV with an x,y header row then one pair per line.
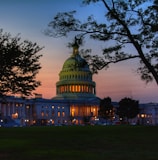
x,y
132,22
128,108
106,109
19,65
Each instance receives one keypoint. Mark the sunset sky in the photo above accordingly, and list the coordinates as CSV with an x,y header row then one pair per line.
x,y
31,17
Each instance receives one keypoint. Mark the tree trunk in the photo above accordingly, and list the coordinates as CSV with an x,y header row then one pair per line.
x,y
145,61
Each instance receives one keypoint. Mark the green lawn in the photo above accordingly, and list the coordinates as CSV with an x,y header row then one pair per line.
x,y
79,143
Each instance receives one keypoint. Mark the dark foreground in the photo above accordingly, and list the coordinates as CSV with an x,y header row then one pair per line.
x,y
79,143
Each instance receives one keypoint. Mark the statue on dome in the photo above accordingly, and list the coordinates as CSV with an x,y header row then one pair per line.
x,y
75,45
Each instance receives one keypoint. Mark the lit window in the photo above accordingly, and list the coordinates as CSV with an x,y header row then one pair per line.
x,y
79,88
86,88
47,113
63,114
76,88
58,114
58,107
62,107
14,116
42,114
73,113
52,107
27,107
73,88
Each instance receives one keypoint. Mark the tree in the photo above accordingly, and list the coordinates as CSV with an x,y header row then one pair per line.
x,y
126,23
128,108
106,109
19,65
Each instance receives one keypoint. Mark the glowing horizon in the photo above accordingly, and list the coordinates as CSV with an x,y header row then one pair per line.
x,y
114,82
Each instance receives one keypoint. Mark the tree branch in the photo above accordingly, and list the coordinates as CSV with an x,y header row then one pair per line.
x,y
116,61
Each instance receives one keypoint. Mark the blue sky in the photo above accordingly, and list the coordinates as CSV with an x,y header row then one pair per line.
x,y
31,17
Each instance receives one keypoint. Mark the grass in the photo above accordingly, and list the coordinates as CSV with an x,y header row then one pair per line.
x,y
79,143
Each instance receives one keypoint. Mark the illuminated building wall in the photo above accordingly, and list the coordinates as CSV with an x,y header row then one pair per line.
x,y
76,88
83,110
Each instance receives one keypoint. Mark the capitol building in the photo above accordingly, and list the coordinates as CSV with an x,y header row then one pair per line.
x,y
75,101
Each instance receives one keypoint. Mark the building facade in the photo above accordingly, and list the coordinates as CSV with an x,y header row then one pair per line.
x,y
74,103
